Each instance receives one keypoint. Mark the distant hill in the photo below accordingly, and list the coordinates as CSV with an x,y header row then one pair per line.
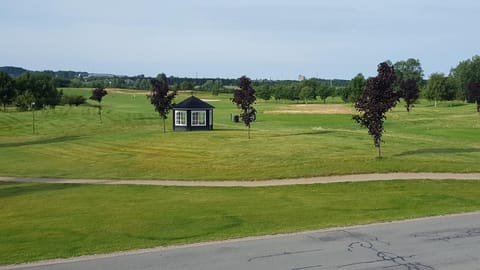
x,y
65,78
18,71
14,71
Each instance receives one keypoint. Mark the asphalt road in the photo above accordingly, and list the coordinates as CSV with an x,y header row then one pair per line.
x,y
451,242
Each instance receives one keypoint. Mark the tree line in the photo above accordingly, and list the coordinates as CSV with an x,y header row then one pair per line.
x,y
462,83
30,90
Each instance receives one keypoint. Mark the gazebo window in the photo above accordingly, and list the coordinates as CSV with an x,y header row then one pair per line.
x,y
198,118
180,118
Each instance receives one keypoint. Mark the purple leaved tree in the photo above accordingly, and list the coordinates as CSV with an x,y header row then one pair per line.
x,y
161,98
377,99
98,94
244,98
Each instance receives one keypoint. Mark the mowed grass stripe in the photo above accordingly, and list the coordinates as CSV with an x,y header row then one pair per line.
x,y
130,143
43,221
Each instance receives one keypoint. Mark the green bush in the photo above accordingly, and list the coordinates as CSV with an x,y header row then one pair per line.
x,y
73,100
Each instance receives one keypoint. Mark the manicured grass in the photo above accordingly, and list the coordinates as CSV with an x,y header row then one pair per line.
x,y
42,221
129,144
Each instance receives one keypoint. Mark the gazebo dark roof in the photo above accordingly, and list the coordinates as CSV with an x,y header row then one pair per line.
x,y
193,103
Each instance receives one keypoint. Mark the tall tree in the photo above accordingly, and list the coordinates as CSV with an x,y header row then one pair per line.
x,y
308,89
464,74
161,98
97,95
307,93
354,88
409,92
411,69
474,94
244,98
264,92
376,100
7,89
439,87
187,85
324,91
41,86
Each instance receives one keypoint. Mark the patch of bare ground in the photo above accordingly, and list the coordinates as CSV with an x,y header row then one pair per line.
x,y
314,109
126,91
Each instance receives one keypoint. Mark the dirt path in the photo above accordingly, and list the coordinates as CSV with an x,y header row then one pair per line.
x,y
266,183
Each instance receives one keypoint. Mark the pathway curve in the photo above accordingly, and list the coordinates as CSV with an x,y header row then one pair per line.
x,y
263,183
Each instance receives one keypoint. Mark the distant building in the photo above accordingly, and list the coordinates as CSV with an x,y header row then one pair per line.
x,y
301,78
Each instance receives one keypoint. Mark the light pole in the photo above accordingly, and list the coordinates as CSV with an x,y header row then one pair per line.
x,y
33,117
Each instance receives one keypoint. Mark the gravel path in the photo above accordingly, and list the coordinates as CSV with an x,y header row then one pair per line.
x,y
265,183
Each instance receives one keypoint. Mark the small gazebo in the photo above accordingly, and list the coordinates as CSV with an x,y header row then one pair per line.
x,y
192,114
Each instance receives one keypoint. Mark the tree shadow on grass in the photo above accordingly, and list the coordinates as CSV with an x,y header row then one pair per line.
x,y
440,151
229,129
149,118
12,189
41,141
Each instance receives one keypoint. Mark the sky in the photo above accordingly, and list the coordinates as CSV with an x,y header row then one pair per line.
x,y
263,39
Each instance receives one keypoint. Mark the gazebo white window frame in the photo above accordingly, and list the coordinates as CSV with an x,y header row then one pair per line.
x,y
199,119
181,118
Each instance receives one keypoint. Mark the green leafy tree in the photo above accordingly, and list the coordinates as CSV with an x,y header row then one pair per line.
x,y
217,87
439,87
186,85
464,74
244,98
325,91
286,92
354,88
161,98
97,95
73,100
24,101
408,79
307,93
411,69
41,86
7,89
264,92
376,100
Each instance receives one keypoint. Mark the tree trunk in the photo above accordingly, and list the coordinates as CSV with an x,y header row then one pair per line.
x,y
379,151
164,129
249,133
100,112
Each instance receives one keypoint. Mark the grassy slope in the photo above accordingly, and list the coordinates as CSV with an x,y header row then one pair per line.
x,y
41,221
130,144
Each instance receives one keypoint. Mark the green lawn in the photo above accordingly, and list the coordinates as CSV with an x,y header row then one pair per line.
x,y
130,143
43,221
